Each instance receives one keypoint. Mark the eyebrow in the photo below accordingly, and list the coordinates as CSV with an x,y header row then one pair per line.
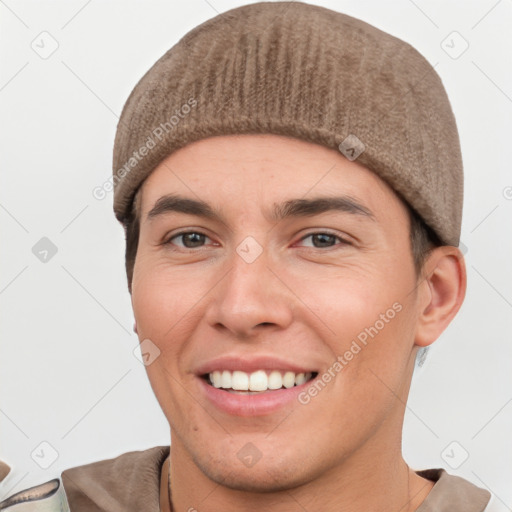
x,y
291,208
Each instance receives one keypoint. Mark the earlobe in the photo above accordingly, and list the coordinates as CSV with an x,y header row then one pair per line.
x,y
444,288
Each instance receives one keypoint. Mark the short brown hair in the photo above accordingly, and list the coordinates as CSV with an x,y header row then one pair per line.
x,y
423,238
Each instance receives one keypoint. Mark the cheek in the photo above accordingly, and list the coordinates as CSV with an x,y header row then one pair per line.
x,y
351,300
168,307
368,320
163,313
160,300
151,306
376,354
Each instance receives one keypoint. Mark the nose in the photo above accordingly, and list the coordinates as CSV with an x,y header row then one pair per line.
x,y
250,297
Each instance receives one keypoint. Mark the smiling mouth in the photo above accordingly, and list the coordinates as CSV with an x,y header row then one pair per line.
x,y
260,381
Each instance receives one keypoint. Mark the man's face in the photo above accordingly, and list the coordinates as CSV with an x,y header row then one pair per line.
x,y
258,294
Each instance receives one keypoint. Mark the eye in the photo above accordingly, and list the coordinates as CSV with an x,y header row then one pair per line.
x,y
196,239
189,239
322,240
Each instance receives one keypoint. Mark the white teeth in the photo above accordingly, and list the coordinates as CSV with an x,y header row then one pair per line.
x,y
216,378
289,380
240,381
275,380
225,379
259,380
300,378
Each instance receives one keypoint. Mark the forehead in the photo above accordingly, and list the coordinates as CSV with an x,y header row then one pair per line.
x,y
232,170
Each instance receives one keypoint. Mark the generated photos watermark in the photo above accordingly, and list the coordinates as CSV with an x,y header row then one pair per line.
x,y
355,348
156,136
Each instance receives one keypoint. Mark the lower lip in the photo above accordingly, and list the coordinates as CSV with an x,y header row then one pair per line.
x,y
258,404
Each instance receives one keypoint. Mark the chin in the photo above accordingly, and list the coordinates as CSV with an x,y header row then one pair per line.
x,y
266,476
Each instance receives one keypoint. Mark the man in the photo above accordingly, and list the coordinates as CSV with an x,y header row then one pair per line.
x,y
290,182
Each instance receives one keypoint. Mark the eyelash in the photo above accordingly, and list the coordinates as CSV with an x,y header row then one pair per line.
x,y
343,241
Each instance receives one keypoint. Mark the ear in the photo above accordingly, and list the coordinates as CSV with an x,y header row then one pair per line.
x,y
441,293
135,327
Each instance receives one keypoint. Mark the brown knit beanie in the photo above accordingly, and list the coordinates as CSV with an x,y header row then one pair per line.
x,y
295,69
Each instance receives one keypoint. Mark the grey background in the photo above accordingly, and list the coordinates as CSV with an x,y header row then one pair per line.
x,y
72,390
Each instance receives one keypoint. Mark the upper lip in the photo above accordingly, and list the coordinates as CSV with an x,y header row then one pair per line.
x,y
250,364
